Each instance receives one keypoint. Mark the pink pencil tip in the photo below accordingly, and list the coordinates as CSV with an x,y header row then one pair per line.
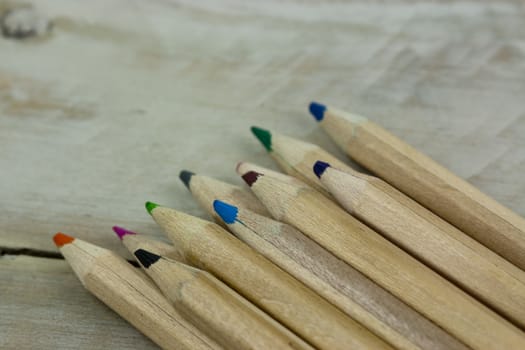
x,y
121,232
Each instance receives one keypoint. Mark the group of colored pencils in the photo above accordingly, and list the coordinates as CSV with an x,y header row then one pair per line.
x,y
324,256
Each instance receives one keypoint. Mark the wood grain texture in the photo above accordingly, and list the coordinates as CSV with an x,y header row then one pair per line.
x,y
209,247
131,294
429,183
386,264
44,306
166,82
459,258
218,310
340,284
124,94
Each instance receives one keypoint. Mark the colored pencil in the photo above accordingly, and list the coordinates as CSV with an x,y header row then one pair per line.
x,y
134,241
215,308
389,266
296,157
129,293
205,189
336,281
461,259
208,246
427,182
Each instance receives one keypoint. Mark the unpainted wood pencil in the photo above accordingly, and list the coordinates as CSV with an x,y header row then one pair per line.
x,y
128,292
386,264
335,280
208,246
215,308
461,259
205,189
429,183
134,241
296,157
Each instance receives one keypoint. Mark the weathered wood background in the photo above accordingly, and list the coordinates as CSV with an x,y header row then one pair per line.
x,y
103,112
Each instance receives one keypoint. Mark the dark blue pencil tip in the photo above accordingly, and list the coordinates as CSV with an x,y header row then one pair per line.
x,y
227,212
317,110
185,177
320,167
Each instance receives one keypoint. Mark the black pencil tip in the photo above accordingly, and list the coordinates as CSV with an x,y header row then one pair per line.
x,y
185,177
146,258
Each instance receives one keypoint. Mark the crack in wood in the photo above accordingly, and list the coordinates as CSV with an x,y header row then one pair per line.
x,y
30,252
42,254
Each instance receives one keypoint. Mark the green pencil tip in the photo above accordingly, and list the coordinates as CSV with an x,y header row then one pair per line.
x,y
150,206
264,136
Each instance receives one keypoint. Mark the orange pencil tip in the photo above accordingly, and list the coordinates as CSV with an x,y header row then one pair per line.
x,y
61,239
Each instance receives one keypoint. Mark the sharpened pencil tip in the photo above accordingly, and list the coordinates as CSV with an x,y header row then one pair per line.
x,y
320,167
227,212
317,110
185,177
264,136
61,239
121,231
146,258
250,177
150,206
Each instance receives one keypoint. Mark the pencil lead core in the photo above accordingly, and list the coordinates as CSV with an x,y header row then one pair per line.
x,y
150,206
320,167
146,258
61,239
264,136
317,110
250,177
185,177
227,212
121,231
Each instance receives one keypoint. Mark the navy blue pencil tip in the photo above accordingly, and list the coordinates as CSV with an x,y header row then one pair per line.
x,y
320,167
317,110
227,212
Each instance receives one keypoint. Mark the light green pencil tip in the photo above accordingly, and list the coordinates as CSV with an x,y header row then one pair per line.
x,y
150,206
264,136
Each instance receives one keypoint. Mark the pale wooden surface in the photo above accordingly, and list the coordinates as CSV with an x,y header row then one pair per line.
x,y
43,306
104,113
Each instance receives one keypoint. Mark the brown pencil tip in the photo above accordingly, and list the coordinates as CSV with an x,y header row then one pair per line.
x,y
251,177
61,239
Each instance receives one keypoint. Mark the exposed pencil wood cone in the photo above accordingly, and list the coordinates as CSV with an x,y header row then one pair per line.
x,y
296,157
429,183
133,296
215,308
336,281
208,246
205,189
386,264
459,258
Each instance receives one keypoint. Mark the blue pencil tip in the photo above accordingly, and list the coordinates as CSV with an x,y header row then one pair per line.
x,y
317,110
320,167
227,212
